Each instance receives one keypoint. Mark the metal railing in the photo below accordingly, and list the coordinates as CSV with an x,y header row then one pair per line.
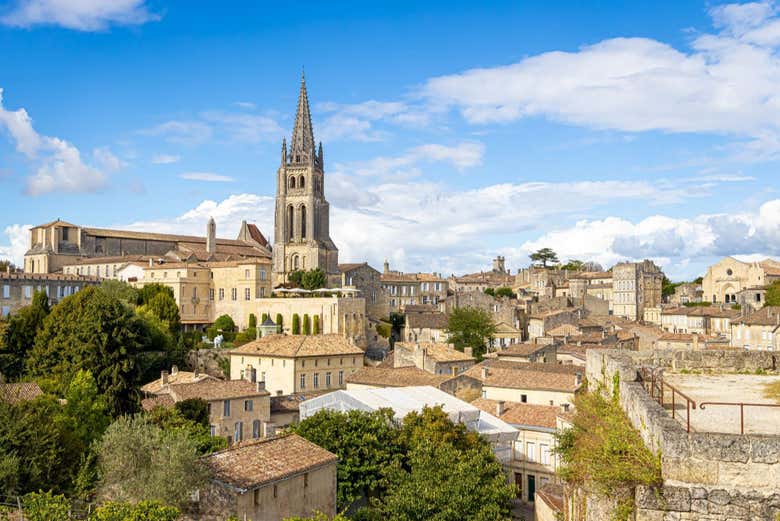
x,y
741,406
656,387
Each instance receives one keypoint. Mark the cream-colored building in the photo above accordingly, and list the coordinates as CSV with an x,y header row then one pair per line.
x,y
17,289
536,384
704,320
425,326
412,289
729,276
434,358
635,286
296,363
759,330
268,480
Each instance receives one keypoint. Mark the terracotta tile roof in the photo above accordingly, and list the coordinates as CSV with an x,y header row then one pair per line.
x,y
18,275
420,308
564,330
434,320
504,329
438,352
58,222
686,337
520,375
551,313
256,234
766,316
552,494
521,413
213,389
397,276
522,349
702,311
111,259
19,392
592,275
290,346
396,377
251,464
161,400
175,377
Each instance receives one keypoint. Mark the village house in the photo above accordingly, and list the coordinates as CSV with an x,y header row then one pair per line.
x,y
635,286
759,330
505,336
704,320
425,326
690,292
405,289
529,353
534,383
691,341
268,480
368,281
540,323
175,376
297,363
238,409
435,358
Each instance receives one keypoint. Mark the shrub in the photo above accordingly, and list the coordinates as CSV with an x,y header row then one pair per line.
x,y
45,506
252,320
279,322
143,511
316,325
306,325
263,317
225,323
383,330
296,324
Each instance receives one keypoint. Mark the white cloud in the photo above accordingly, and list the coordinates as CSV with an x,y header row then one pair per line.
x,y
106,160
181,132
59,163
246,128
725,84
81,15
19,240
165,159
356,121
206,176
247,105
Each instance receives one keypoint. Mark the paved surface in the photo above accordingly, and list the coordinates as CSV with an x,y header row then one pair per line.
x,y
727,388
522,512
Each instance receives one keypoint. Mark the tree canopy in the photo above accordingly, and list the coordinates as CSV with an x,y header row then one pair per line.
x,y
544,256
312,279
470,327
164,307
20,333
773,294
225,323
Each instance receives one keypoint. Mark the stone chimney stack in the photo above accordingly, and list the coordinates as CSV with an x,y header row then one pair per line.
x,y
468,351
163,378
485,373
500,406
211,237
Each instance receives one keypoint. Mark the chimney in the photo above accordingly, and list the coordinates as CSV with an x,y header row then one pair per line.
x,y
468,351
577,378
196,371
485,373
174,370
260,386
163,377
211,237
500,408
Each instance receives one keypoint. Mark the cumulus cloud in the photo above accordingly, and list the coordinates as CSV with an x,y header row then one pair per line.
x,y
58,164
206,176
106,160
165,159
81,15
358,121
18,236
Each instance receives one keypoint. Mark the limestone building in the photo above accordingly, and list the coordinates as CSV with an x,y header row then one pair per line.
x,y
17,289
636,285
729,276
302,217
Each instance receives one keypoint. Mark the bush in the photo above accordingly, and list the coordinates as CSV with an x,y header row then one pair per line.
x,y
45,506
296,324
279,322
143,511
263,317
316,325
225,323
383,330
306,325
252,320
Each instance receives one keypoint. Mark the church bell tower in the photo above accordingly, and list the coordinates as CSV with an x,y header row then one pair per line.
x,y
302,217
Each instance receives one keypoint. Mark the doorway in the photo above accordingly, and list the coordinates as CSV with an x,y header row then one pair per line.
x,y
531,488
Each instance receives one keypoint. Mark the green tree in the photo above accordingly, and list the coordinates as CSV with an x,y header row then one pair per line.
x,y
544,256
306,324
164,307
319,516
505,292
143,511
263,317
95,332
668,287
149,291
140,461
316,325
45,506
367,446
173,419
194,409
225,323
773,294
296,278
574,265
470,327
296,324
20,335
252,320
433,424
314,279
7,266
279,321
120,290
85,408
490,291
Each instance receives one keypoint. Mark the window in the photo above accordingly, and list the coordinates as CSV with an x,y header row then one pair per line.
x,y
233,294
256,429
262,273
524,398
530,451
247,294
246,274
7,291
545,449
5,311
327,379
211,293
226,408
303,381
341,378
195,292
64,234
213,430
221,293
248,405
238,432
28,292
316,380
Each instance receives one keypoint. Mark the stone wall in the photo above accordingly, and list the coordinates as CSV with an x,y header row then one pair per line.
x,y
729,476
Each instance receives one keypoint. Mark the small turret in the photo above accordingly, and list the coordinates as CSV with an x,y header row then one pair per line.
x,y
284,151
319,157
211,237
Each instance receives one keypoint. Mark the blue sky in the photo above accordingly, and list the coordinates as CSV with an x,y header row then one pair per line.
x,y
453,131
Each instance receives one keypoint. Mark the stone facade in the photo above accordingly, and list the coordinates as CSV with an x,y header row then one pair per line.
x,y
729,276
367,280
412,289
17,289
302,217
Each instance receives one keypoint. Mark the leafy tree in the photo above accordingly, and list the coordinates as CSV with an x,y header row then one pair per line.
x,y
316,325
95,332
164,307
306,324
433,424
143,511
574,265
490,291
120,290
279,321
367,446
85,408
668,287
470,327
319,516
698,280
505,292
20,334
172,419
544,256
296,324
149,291
296,278
225,323
252,320
7,266
263,317
314,279
45,506
140,461
773,294
194,409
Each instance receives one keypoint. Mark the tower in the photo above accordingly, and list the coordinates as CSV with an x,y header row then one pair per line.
x,y
302,217
211,237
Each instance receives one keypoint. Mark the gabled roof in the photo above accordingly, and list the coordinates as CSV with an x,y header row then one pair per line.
x,y
396,377
524,349
19,392
249,465
436,351
522,375
432,320
766,316
522,414
57,222
291,346
213,389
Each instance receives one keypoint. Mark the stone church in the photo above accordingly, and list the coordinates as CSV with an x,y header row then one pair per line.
x,y
302,218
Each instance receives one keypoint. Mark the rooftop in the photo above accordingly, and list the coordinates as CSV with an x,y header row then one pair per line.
x,y
432,320
766,316
251,464
292,346
175,377
396,377
522,413
19,392
213,389
520,375
522,349
438,352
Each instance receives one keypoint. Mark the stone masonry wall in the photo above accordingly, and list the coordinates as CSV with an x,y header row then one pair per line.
x,y
708,476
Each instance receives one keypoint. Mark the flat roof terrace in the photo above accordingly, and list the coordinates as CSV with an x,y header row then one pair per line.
x,y
704,389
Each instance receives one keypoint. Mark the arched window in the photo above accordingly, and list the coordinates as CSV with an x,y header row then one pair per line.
x,y
290,222
301,182
292,181
295,262
303,221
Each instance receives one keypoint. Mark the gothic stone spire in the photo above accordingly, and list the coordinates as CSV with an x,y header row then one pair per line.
x,y
302,144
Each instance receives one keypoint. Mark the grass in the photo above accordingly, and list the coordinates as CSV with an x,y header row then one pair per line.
x,y
772,390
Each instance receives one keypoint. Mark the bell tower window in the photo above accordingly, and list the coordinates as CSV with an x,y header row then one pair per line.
x,y
292,182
